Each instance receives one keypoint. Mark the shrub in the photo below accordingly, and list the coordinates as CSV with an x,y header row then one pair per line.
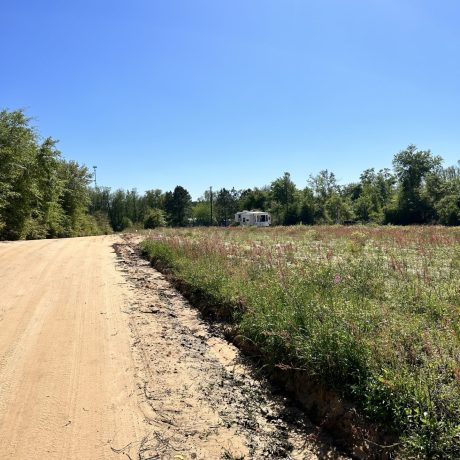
x,y
154,218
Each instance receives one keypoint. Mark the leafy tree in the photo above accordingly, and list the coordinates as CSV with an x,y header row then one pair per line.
x,y
100,199
411,167
322,186
226,205
133,206
75,198
154,218
337,209
177,205
283,189
307,207
50,213
18,187
443,193
118,210
154,198
201,213
284,194
258,198
448,209
370,196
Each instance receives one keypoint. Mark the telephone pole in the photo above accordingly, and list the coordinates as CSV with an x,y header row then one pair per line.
x,y
210,199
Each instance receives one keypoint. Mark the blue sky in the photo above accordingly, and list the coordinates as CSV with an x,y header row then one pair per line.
x,y
158,93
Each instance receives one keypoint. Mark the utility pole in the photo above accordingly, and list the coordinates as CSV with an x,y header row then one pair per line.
x,y
95,181
210,198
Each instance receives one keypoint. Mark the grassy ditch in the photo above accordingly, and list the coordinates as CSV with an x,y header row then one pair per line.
x,y
370,312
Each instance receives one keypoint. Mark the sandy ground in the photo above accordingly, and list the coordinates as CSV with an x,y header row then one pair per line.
x,y
66,369
100,358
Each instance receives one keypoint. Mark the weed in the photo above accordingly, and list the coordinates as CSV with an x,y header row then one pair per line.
x,y
371,312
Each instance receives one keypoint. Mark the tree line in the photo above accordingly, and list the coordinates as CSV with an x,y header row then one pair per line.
x,y
43,195
418,190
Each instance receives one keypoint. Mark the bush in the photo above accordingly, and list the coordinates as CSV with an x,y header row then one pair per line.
x,y
126,222
154,218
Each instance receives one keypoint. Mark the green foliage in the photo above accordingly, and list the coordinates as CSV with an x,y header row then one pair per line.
x,y
201,213
178,206
448,209
126,222
42,195
154,218
226,205
370,311
257,198
412,167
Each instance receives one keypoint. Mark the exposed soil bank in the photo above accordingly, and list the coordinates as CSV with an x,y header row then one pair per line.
x,y
200,394
351,431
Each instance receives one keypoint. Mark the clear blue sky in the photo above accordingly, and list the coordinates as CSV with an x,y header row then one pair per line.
x,y
234,92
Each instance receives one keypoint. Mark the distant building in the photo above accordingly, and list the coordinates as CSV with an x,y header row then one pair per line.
x,y
257,218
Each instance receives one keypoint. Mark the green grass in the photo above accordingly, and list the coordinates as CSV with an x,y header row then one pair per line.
x,y
372,312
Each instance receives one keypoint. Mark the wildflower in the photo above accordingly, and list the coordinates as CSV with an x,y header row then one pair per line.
x,y
337,279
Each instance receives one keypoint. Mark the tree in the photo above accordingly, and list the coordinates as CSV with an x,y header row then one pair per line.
x,y
412,166
201,213
75,198
100,200
370,195
18,187
322,186
337,209
178,206
284,193
448,209
133,206
258,198
51,215
442,191
153,199
307,207
154,218
283,189
226,205
117,210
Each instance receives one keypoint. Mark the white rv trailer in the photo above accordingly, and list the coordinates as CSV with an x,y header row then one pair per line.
x,y
257,218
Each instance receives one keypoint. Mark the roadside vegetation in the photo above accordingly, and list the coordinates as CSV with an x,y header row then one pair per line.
x,y
43,195
371,312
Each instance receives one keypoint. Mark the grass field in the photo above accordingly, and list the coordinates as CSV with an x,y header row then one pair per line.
x,y
373,312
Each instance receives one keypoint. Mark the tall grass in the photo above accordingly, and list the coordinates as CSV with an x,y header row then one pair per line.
x,y
373,312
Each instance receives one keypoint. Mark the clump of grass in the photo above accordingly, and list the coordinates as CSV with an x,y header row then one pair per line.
x,y
373,312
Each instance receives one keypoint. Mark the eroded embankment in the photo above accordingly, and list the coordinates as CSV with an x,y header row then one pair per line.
x,y
351,431
200,396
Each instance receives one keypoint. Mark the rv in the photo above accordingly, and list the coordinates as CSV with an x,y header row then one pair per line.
x,y
257,218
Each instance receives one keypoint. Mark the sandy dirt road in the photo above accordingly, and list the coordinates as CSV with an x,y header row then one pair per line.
x,y
100,358
66,380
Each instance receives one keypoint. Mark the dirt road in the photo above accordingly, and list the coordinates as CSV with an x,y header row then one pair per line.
x,y
100,358
66,377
